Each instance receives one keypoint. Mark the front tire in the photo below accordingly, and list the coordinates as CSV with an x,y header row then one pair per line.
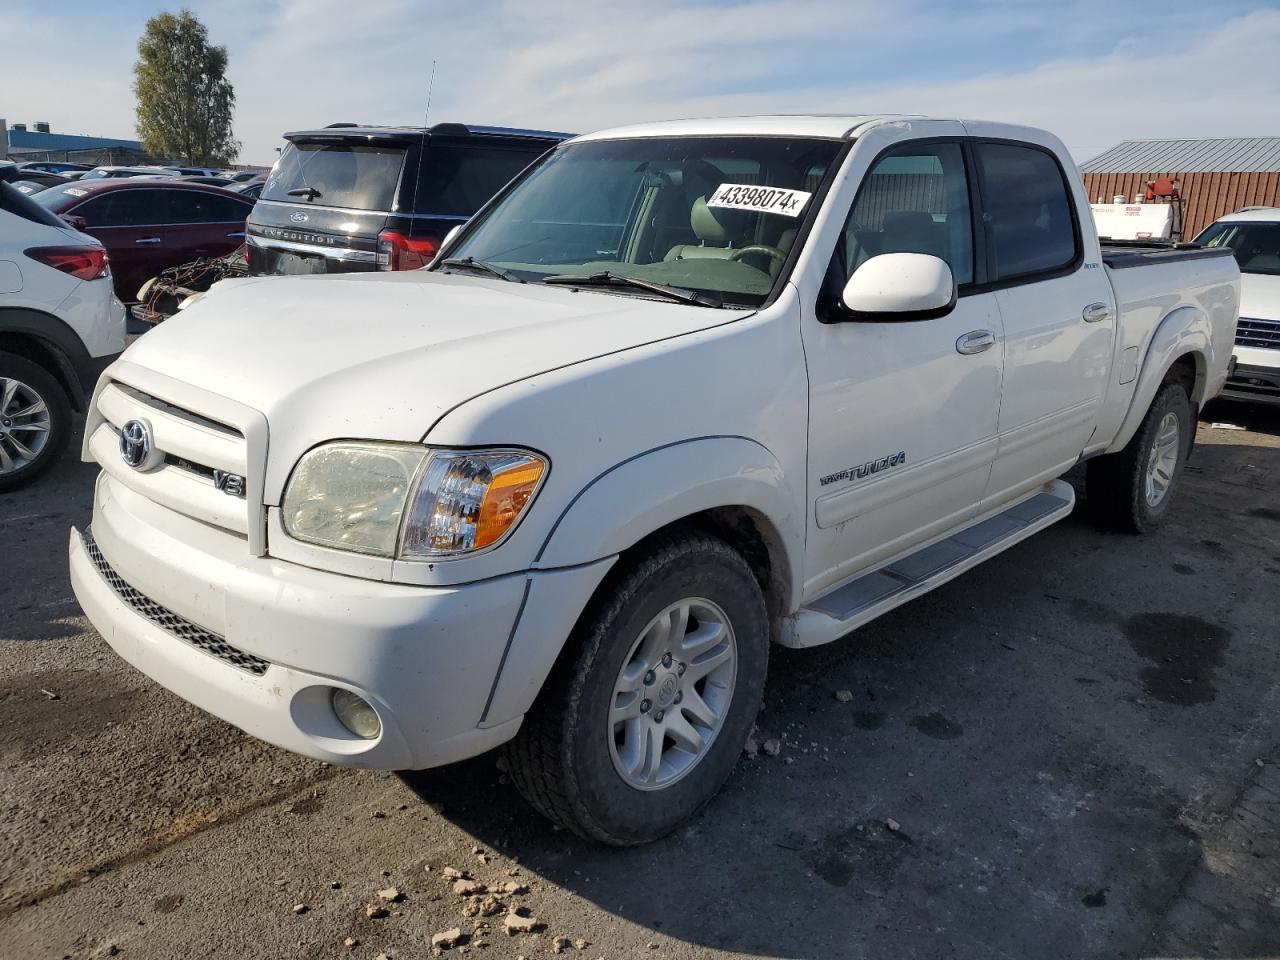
x,y
1130,491
645,715
35,421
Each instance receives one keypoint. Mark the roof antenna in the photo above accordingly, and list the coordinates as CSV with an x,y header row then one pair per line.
x,y
422,150
431,85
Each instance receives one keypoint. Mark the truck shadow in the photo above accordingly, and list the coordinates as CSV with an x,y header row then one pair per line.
x,y
999,772
1257,417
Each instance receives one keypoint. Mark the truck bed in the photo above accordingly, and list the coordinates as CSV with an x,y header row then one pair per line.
x,y
1174,275
1120,254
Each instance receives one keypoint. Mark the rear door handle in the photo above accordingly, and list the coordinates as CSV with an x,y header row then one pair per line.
x,y
975,341
148,240
1096,313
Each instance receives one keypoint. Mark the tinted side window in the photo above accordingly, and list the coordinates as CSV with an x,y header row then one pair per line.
x,y
914,200
192,206
458,179
1028,210
97,211
124,208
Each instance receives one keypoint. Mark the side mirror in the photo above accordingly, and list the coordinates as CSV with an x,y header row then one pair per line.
x,y
74,222
899,287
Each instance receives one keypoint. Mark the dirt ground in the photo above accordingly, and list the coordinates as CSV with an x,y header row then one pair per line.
x,y
1078,744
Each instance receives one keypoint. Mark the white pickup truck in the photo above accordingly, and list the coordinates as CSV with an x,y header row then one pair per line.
x,y
679,392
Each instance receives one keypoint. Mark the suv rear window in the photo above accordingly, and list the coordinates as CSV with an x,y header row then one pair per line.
x,y
457,179
355,175
18,203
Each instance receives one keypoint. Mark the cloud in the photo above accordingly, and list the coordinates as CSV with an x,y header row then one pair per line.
x,y
1093,71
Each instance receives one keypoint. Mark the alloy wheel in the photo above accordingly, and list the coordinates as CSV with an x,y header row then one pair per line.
x,y
672,694
25,422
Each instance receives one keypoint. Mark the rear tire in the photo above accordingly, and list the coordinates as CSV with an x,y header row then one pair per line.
x,y
624,744
1130,491
35,421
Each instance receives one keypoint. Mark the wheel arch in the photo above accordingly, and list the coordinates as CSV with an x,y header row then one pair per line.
x,y
1181,351
730,485
45,340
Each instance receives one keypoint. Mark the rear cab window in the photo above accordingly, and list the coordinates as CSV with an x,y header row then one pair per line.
x,y
335,173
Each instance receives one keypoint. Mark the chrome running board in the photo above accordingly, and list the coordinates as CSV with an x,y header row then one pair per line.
x,y
866,597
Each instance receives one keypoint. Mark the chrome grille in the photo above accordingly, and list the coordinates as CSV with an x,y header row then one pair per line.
x,y
1251,332
169,621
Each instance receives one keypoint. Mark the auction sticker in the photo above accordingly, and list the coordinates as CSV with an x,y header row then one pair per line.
x,y
740,196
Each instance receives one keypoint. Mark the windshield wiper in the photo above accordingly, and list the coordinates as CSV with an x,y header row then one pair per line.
x,y
607,279
482,267
309,192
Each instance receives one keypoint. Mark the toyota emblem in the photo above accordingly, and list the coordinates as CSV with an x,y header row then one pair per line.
x,y
298,217
135,443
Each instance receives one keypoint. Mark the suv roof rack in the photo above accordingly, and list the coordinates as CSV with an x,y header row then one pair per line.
x,y
439,130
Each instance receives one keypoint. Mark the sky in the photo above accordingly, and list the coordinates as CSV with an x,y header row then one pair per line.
x,y
1093,71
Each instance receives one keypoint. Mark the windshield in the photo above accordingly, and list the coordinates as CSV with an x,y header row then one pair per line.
x,y
1256,244
354,175
717,215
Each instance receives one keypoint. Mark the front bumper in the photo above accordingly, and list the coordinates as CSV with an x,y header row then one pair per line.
x,y
426,658
1258,384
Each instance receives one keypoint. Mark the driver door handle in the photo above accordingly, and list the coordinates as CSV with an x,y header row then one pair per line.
x,y
976,341
1096,313
148,240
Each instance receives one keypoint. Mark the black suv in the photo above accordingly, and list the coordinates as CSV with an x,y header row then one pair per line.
x,y
380,198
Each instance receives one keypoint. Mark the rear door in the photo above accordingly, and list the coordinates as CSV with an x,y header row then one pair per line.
x,y
1057,310
203,224
324,204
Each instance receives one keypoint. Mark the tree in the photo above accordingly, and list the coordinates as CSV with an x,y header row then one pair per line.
x,y
185,102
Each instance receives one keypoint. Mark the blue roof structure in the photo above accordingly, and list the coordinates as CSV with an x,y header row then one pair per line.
x,y
20,140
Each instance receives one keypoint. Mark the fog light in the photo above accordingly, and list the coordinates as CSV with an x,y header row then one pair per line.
x,y
355,714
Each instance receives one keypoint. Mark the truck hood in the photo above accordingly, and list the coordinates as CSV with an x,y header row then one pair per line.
x,y
1259,296
383,356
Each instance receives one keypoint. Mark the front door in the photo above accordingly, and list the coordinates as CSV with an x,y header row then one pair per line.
x,y
902,424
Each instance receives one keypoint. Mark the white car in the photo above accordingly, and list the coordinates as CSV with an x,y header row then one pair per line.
x,y
60,325
678,392
1254,237
104,173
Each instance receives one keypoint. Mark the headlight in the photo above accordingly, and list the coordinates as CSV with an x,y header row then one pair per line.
x,y
469,500
351,495
403,500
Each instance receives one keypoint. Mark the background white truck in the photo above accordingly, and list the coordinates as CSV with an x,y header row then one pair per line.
x,y
679,392
1253,236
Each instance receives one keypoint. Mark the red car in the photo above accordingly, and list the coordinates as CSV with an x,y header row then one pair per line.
x,y
148,225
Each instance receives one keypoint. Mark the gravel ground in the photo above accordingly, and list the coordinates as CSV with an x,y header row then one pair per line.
x,y
1071,751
